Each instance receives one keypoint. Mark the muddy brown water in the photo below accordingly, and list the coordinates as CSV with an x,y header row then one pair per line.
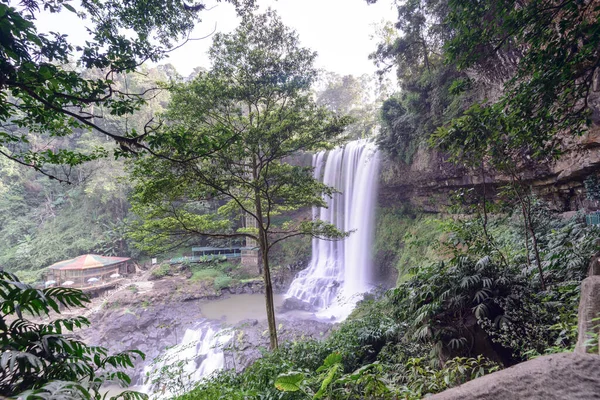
x,y
239,307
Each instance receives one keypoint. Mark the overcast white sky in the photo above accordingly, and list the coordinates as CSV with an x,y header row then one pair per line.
x,y
339,30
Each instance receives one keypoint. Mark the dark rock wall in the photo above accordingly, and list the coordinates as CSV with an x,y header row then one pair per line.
x,y
427,182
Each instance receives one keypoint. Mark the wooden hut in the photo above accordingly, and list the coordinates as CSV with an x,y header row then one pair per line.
x,y
80,270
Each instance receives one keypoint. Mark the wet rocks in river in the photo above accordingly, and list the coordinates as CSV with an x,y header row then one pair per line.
x,y
151,328
293,303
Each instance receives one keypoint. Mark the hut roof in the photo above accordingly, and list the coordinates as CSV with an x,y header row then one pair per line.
x,y
88,261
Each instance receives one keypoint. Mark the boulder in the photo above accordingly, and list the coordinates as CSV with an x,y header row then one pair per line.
x,y
554,377
589,312
293,303
251,338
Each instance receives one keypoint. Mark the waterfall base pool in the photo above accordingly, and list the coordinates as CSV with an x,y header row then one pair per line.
x,y
239,307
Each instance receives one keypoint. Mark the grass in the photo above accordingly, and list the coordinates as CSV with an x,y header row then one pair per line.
x,y
405,238
248,280
206,274
222,282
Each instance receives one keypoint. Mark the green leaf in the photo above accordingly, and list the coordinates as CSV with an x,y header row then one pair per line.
x,y
69,7
289,382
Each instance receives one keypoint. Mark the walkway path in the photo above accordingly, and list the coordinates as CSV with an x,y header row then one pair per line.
x,y
138,280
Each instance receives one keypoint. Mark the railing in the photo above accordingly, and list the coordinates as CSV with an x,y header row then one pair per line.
x,y
592,219
206,258
100,285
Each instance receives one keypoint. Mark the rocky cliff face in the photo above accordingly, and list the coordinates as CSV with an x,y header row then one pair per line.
x,y
429,179
156,315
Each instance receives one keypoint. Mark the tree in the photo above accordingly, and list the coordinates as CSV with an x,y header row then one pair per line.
x,y
487,140
546,54
40,360
536,65
43,221
537,61
41,85
433,92
545,57
229,134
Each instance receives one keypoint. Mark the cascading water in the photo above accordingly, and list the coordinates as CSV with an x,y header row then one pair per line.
x,y
200,353
340,271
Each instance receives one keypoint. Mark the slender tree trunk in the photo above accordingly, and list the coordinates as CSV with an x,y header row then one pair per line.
x,y
489,237
526,209
526,235
264,261
536,250
264,255
263,244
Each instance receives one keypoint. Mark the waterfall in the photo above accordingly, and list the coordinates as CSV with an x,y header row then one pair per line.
x,y
177,369
340,271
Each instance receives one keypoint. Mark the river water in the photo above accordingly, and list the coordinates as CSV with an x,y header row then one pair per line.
x,y
239,307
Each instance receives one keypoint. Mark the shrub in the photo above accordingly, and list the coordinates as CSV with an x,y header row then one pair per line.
x,y
161,271
405,239
222,282
208,274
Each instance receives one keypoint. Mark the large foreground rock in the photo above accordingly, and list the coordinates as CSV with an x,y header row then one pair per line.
x,y
561,376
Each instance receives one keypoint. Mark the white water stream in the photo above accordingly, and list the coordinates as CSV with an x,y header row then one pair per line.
x,y
340,271
199,354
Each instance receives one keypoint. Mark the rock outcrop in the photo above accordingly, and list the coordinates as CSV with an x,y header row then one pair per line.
x,y
555,377
588,327
427,181
251,338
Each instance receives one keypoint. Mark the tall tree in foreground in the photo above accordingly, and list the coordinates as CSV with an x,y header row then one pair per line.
x,y
230,133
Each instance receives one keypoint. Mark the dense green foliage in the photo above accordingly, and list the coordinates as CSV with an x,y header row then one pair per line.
x,y
366,356
42,360
44,221
405,239
523,72
546,53
446,323
485,302
432,91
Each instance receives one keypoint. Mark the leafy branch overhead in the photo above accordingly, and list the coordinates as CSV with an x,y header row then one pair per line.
x,y
533,68
42,84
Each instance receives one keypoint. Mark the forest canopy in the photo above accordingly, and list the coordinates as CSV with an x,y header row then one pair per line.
x,y
534,65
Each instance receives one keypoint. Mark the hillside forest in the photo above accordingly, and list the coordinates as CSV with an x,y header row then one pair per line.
x,y
105,148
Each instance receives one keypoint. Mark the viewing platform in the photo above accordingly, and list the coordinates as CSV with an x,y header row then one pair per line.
x,y
206,254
